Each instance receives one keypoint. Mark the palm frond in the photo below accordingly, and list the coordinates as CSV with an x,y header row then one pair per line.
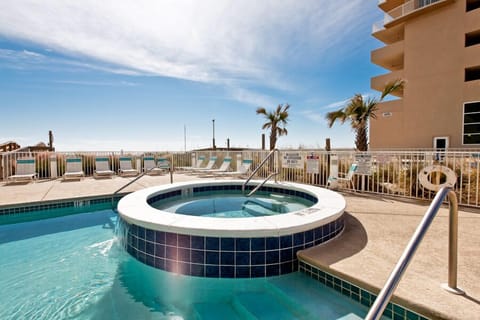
x,y
392,87
333,116
261,110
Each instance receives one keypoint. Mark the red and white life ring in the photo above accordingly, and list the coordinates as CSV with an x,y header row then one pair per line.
x,y
425,173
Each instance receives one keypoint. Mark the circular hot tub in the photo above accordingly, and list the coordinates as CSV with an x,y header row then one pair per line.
x,y
211,229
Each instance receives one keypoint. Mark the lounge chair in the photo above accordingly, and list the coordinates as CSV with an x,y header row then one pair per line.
x,y
242,170
73,169
126,168
346,179
196,165
224,167
24,169
102,168
394,188
150,166
210,165
163,164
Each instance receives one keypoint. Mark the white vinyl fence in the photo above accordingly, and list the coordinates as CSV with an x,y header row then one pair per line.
x,y
384,172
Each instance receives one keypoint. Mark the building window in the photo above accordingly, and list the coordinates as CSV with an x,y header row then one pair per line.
x,y
471,123
472,73
473,4
472,38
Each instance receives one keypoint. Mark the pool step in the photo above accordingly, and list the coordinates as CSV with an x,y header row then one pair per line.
x,y
260,207
221,311
311,295
276,300
258,211
268,306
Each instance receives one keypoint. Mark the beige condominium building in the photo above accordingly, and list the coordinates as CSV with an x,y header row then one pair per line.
x,y
435,47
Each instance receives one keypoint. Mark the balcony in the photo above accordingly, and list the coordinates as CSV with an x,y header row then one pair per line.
x,y
390,35
389,57
472,21
408,10
387,5
378,83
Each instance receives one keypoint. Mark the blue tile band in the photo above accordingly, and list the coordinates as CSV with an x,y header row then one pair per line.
x,y
360,295
224,257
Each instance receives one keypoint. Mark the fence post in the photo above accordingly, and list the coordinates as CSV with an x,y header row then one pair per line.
x,y
53,166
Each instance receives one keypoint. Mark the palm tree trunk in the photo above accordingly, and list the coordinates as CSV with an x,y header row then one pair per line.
x,y
273,141
361,138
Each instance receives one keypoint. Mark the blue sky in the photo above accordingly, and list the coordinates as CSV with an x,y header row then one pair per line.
x,y
131,75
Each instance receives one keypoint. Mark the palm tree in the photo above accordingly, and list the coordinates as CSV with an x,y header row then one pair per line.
x,y
276,121
359,110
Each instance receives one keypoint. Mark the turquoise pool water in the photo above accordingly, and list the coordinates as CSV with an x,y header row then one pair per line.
x,y
230,205
73,267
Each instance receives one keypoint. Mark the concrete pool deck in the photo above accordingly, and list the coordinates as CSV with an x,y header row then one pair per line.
x,y
376,233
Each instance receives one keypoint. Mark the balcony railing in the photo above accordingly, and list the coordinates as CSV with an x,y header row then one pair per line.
x,y
402,11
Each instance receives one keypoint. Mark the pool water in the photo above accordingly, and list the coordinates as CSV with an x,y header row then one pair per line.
x,y
233,205
73,267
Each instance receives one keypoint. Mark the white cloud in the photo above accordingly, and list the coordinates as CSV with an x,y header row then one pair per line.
x,y
335,105
252,98
224,42
99,83
314,116
319,116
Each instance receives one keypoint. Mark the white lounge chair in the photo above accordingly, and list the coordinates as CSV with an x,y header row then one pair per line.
x,y
224,167
102,168
24,169
150,166
126,168
196,165
163,164
242,170
73,169
210,165
346,179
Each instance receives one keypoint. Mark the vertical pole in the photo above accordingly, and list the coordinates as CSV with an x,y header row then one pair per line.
x,y
213,140
50,141
452,240
451,286
184,138
171,170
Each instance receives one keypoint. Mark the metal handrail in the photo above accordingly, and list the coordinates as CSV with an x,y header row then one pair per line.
x,y
136,178
385,294
131,181
261,184
270,154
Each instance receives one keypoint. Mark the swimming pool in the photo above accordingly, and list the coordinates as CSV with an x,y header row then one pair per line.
x,y
73,267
